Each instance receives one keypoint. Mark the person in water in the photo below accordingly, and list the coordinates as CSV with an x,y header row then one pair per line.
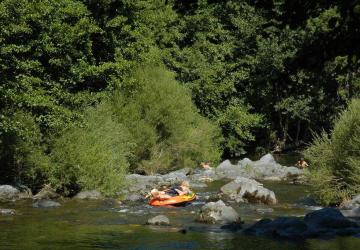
x,y
205,165
302,164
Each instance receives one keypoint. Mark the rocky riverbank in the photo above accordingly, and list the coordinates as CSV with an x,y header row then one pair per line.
x,y
229,198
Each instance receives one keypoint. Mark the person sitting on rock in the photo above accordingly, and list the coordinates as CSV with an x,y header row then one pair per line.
x,y
205,165
302,164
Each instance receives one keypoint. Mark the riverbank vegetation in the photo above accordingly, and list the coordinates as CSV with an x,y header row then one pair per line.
x,y
92,89
335,158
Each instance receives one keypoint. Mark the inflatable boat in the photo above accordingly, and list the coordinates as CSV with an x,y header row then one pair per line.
x,y
173,201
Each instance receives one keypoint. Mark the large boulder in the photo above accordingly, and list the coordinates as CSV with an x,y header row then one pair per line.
x,y
89,195
46,204
160,220
281,227
323,223
46,193
242,189
8,193
265,168
218,213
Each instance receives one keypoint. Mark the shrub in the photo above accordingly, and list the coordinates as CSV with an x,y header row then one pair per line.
x,y
21,152
93,156
164,124
335,159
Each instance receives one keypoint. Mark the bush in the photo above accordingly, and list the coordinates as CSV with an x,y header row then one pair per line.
x,y
164,124
93,156
21,152
335,159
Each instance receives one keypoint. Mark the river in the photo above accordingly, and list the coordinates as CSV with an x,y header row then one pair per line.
x,y
109,225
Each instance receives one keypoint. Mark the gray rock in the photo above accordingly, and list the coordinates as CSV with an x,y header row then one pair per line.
x,y
267,159
218,213
8,193
4,211
160,220
46,204
46,193
247,189
327,218
134,197
89,195
265,168
353,203
324,223
204,175
353,213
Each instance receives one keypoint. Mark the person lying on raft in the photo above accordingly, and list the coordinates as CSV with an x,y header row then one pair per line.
x,y
156,194
183,189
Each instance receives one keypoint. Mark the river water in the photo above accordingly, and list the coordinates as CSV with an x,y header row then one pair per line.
x,y
109,225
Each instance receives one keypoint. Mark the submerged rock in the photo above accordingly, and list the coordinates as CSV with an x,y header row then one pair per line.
x,y
160,220
218,213
4,211
89,195
8,193
46,204
247,189
324,223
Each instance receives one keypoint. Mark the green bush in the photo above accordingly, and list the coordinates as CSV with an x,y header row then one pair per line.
x,y
22,155
164,124
93,156
335,159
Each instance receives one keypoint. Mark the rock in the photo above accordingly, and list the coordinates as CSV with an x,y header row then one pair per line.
x,y
46,204
7,211
265,168
8,193
327,218
292,228
354,213
218,213
89,195
46,193
225,164
267,159
160,220
354,203
134,197
204,175
243,188
324,223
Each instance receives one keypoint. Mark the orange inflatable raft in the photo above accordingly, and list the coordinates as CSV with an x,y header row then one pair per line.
x,y
173,201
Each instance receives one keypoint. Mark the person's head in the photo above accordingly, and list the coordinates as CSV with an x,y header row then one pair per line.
x,y
185,184
154,192
302,159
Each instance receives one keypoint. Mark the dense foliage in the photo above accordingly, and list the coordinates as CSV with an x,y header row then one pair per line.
x,y
335,159
266,73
